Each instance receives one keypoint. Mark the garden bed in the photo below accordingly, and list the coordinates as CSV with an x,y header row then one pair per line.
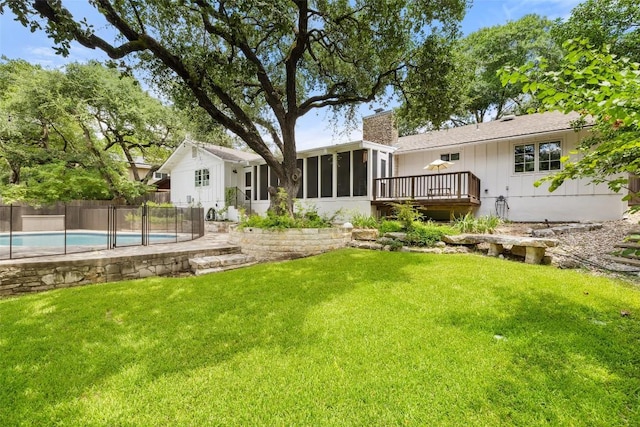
x,y
274,244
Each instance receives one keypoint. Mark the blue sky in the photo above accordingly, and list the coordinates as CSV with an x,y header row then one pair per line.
x,y
313,129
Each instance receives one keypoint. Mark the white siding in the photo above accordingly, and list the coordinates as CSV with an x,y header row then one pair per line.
x,y
493,163
183,181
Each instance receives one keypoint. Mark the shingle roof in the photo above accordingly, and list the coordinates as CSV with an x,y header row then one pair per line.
x,y
531,124
230,154
226,153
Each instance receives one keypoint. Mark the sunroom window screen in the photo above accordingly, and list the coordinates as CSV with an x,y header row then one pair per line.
x,y
312,177
344,173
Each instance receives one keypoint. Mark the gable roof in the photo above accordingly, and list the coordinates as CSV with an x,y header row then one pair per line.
x,y
519,126
223,153
230,154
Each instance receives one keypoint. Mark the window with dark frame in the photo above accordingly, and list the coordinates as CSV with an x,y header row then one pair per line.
x,y
312,177
202,178
450,157
525,158
255,182
360,162
264,182
549,154
326,175
344,174
374,163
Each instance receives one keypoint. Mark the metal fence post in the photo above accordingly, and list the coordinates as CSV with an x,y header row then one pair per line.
x,y
11,231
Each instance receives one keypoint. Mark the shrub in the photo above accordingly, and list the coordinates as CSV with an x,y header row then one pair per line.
x,y
304,217
390,226
364,221
425,234
471,224
407,214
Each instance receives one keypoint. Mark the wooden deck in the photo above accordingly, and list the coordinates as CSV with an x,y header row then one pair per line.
x,y
443,191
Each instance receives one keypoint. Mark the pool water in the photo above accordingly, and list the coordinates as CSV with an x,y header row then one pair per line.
x,y
81,239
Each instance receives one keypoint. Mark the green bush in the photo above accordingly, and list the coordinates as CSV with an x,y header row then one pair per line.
x,y
471,224
303,217
364,221
390,226
407,214
425,234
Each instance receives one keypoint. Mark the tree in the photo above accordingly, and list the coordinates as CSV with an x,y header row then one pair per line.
x,y
256,67
131,122
64,134
604,22
604,89
471,91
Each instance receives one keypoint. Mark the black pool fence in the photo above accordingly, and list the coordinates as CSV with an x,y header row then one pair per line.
x,y
27,231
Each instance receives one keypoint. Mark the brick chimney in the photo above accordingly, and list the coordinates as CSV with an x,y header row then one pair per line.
x,y
380,128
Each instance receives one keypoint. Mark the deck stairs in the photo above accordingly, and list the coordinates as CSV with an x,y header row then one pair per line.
x,y
217,263
628,252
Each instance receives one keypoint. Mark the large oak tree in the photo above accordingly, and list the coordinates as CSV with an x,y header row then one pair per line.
x,y
66,134
256,66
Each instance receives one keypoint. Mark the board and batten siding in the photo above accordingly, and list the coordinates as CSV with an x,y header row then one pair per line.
x,y
493,163
183,181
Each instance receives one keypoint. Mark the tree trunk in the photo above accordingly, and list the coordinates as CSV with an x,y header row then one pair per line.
x,y
288,174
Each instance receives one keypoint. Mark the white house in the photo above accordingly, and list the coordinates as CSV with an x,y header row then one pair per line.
x,y
201,173
492,170
334,178
507,156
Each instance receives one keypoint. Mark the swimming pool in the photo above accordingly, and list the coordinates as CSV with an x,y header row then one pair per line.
x,y
80,238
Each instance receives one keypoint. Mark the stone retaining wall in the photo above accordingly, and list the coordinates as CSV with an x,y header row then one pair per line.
x,y
290,243
45,275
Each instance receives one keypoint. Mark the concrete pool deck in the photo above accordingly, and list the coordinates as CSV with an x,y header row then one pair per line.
x,y
27,275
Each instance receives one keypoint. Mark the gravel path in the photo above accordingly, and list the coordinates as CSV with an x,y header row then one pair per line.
x,y
588,249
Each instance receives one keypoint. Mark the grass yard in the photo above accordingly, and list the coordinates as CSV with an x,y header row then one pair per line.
x,y
351,337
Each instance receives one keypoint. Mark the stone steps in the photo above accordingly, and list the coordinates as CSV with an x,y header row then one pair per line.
x,y
218,263
628,252
623,260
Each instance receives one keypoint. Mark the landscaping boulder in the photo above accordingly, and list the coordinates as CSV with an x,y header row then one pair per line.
x,y
364,234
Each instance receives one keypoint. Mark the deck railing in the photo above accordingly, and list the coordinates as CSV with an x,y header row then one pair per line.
x,y
439,186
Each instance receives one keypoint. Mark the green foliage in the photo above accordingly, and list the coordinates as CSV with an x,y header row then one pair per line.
x,y
67,134
604,22
490,49
470,88
305,216
604,89
360,220
425,234
349,338
390,226
406,214
470,224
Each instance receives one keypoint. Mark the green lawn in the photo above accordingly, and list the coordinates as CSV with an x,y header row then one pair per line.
x,y
348,338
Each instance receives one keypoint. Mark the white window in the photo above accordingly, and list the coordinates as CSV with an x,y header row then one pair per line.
x,y
202,178
160,175
545,154
450,157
